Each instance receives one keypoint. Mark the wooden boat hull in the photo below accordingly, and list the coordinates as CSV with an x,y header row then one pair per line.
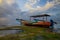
x,y
38,24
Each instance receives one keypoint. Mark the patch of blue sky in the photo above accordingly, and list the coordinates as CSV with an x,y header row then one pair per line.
x,y
21,3
42,2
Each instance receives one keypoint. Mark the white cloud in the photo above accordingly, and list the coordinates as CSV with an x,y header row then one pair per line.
x,y
47,6
28,6
32,2
0,1
10,1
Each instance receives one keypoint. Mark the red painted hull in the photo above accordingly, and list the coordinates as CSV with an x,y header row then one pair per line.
x,y
40,23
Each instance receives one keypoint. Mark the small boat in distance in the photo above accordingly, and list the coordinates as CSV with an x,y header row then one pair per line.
x,y
40,23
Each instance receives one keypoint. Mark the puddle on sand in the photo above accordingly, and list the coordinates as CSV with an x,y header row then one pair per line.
x,y
7,32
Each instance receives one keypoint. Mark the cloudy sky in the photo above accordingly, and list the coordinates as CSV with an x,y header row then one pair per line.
x,y
12,9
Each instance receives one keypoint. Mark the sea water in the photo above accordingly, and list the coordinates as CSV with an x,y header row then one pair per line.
x,y
57,28
7,32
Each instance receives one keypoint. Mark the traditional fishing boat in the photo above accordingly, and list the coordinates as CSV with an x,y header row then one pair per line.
x,y
41,23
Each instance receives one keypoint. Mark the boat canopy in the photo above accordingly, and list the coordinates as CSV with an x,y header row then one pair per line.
x,y
44,15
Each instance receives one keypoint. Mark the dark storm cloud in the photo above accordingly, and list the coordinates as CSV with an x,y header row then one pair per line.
x,y
9,13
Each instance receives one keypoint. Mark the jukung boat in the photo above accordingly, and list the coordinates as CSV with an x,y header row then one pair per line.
x,y
40,23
